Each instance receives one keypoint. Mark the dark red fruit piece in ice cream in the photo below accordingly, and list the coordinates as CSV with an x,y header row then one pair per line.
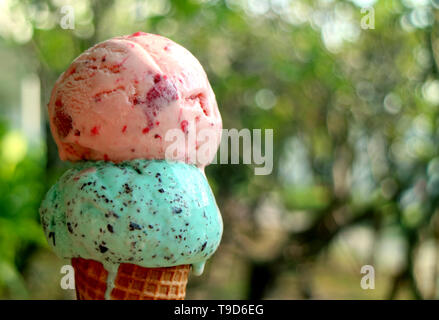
x,y
62,120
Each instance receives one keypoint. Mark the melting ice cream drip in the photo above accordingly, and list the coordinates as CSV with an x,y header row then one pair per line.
x,y
112,270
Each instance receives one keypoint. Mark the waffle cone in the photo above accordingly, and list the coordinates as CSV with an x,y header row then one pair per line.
x,y
132,281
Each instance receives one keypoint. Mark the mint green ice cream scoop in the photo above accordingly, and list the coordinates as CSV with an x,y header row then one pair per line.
x,y
152,213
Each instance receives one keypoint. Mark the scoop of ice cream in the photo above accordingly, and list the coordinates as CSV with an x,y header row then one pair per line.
x,y
152,213
138,96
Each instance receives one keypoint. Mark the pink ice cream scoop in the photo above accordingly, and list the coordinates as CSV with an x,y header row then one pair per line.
x,y
141,96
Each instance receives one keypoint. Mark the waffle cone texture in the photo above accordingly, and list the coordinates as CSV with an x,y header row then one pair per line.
x,y
132,282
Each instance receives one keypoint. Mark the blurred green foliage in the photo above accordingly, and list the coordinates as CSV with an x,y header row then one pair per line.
x,y
355,119
20,195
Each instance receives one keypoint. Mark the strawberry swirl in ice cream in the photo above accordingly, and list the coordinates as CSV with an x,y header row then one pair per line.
x,y
119,99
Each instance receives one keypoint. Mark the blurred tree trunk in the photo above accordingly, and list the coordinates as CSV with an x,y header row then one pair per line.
x,y
261,280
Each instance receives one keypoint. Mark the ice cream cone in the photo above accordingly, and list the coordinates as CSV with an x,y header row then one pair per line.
x,y
110,114
132,282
